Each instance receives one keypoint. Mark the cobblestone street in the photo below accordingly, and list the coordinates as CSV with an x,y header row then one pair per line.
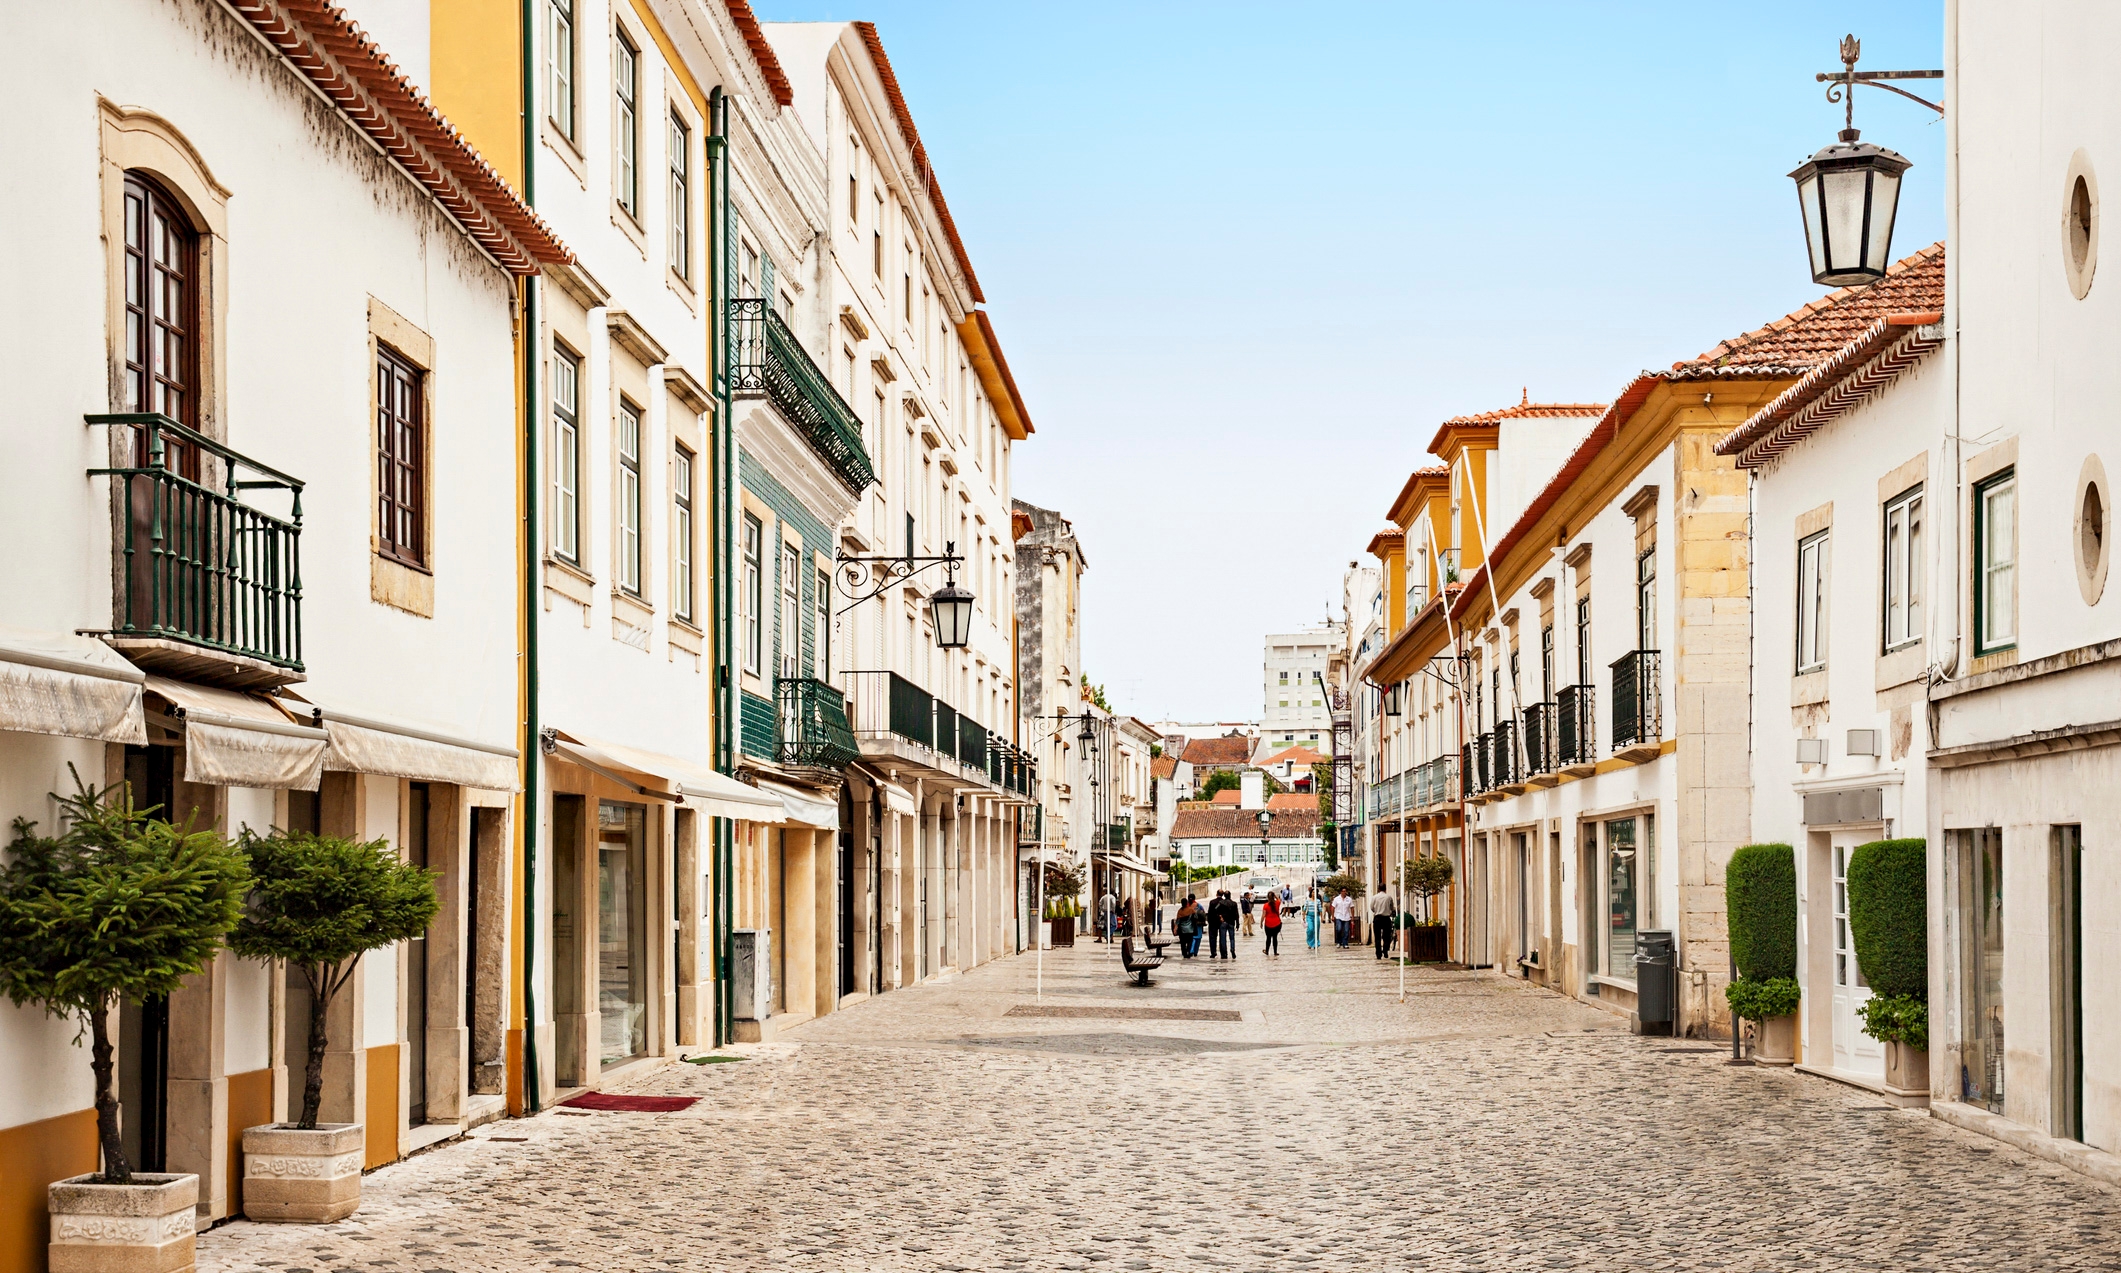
x,y
969,1124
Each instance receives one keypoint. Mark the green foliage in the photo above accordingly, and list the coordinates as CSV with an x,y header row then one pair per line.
x,y
1156,751
1095,694
320,902
120,905
1760,890
1888,884
1332,887
1763,999
1063,879
1427,876
1231,780
1901,1019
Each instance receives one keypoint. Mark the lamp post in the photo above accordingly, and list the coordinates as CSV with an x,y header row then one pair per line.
x,y
860,577
1849,192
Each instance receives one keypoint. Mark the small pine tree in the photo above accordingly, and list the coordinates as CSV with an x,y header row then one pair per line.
x,y
121,905
320,902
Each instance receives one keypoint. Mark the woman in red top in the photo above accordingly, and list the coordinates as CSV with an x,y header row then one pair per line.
x,y
1270,919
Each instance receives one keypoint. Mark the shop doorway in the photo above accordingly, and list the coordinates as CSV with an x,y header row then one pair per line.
x,y
1626,889
1521,846
1854,1051
2066,848
143,1025
569,1061
843,879
1977,856
622,931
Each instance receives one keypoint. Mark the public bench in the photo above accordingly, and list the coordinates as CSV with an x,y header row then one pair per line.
x,y
1141,966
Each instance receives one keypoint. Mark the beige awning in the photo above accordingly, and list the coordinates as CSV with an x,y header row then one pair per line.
x,y
657,776
803,808
1135,865
233,739
371,745
897,798
68,685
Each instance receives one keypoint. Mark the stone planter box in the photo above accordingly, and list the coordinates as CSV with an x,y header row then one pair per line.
x,y
148,1226
1775,1040
1063,931
1428,943
302,1177
1907,1073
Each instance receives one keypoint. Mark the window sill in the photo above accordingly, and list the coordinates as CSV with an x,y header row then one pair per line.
x,y
1807,688
562,147
632,607
1899,666
1600,979
401,587
684,289
2005,657
630,226
569,581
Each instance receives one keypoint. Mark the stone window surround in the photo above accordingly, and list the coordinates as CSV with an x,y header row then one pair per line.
x,y
1908,662
1977,469
1807,687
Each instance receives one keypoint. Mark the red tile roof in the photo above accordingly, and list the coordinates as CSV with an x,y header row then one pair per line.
x,y
334,54
921,167
1230,752
747,23
1243,824
1164,766
1802,339
1530,410
1228,795
1297,755
1292,800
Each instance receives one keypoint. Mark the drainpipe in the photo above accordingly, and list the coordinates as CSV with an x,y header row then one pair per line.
x,y
1947,667
721,480
533,757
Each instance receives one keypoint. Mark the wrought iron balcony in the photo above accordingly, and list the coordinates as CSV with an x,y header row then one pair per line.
x,y
1484,757
1576,726
766,360
1539,750
1031,824
1468,771
1118,835
1638,702
884,705
198,566
1507,771
813,725
1446,780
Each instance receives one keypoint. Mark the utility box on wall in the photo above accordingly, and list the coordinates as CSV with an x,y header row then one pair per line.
x,y
751,974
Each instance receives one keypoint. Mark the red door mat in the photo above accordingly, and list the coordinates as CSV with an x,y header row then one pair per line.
x,y
630,1104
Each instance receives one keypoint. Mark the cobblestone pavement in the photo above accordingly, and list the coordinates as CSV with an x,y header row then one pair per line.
x,y
1481,1124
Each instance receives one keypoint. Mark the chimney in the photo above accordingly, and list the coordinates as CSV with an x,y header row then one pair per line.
x,y
1252,789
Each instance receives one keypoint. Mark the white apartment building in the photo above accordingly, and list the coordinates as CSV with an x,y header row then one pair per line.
x,y
263,449
1049,575
1295,709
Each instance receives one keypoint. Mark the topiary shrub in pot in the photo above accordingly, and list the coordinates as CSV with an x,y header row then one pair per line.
x,y
1888,882
1760,900
1427,878
120,905
320,902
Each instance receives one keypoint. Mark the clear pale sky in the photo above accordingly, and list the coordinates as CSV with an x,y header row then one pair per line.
x,y
1243,258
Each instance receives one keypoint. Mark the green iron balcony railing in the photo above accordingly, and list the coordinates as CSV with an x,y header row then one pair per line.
x,y
1539,739
813,725
1638,705
196,564
1118,834
1506,771
1576,726
766,360
1484,761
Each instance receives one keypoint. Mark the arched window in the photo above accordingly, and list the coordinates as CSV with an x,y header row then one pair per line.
x,y
161,311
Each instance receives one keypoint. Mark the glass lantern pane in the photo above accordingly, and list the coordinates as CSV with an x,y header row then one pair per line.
x,y
1844,217
1814,235
1885,200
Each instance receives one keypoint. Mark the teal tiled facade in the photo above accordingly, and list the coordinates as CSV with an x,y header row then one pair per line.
x,y
757,724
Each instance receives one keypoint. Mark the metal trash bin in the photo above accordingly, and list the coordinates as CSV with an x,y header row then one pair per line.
x,y
1656,982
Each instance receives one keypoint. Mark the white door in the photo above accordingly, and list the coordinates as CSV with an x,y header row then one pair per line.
x,y
1854,1051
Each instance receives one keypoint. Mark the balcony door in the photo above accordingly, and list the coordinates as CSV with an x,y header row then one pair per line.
x,y
161,316
1854,1051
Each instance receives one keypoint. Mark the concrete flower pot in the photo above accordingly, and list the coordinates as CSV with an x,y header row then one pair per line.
x,y
302,1177
1907,1071
148,1226
1775,1041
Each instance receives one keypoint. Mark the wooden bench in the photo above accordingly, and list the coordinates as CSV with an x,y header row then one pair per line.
x,y
1157,945
1141,966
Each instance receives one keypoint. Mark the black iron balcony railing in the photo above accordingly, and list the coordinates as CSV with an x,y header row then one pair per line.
x,y
885,704
766,359
196,564
1507,770
1539,750
1575,726
1484,757
1468,772
1009,768
813,725
1638,704
971,743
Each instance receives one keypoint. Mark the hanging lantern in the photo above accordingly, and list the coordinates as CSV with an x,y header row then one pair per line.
x,y
1849,193
951,608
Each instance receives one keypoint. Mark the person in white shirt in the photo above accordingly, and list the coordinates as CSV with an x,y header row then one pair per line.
x,y
1343,912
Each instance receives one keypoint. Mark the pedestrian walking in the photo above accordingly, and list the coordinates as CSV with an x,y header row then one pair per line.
x,y
1245,906
1384,917
1311,920
1156,916
1343,915
1225,907
1107,907
1187,928
1270,920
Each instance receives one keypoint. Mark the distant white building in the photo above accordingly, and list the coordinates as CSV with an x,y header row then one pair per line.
x,y
1295,708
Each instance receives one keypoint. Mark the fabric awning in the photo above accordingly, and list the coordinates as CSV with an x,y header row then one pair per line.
x,y
681,781
233,739
69,685
897,798
1135,865
370,745
803,808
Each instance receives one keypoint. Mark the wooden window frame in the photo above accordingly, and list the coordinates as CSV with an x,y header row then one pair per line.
x,y
626,124
567,461
1902,577
753,548
561,82
150,380
401,458
1984,571
1811,626
680,196
683,582
790,568
632,508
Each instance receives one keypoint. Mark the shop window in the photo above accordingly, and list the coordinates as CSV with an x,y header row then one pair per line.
x,y
1978,859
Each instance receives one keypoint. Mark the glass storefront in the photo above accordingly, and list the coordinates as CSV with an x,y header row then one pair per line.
x,y
1626,892
1980,854
622,930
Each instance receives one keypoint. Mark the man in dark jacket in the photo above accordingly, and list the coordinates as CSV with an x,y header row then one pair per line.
x,y
1225,912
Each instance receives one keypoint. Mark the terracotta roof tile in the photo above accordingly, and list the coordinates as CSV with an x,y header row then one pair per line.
x,y
1230,752
747,22
1243,824
1298,755
1292,800
1165,766
1815,332
921,167
1530,410
1228,795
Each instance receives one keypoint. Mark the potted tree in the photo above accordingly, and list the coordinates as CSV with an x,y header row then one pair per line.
x,y
1428,941
1889,920
1064,885
1760,897
320,902
120,905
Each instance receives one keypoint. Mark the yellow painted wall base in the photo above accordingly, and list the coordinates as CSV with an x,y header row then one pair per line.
x,y
31,1157
512,1072
382,1105
249,1105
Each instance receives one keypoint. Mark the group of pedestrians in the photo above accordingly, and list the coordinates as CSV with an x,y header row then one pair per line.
x,y
1224,918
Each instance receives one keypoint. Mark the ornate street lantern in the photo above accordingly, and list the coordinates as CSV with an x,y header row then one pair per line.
x,y
951,608
1849,192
